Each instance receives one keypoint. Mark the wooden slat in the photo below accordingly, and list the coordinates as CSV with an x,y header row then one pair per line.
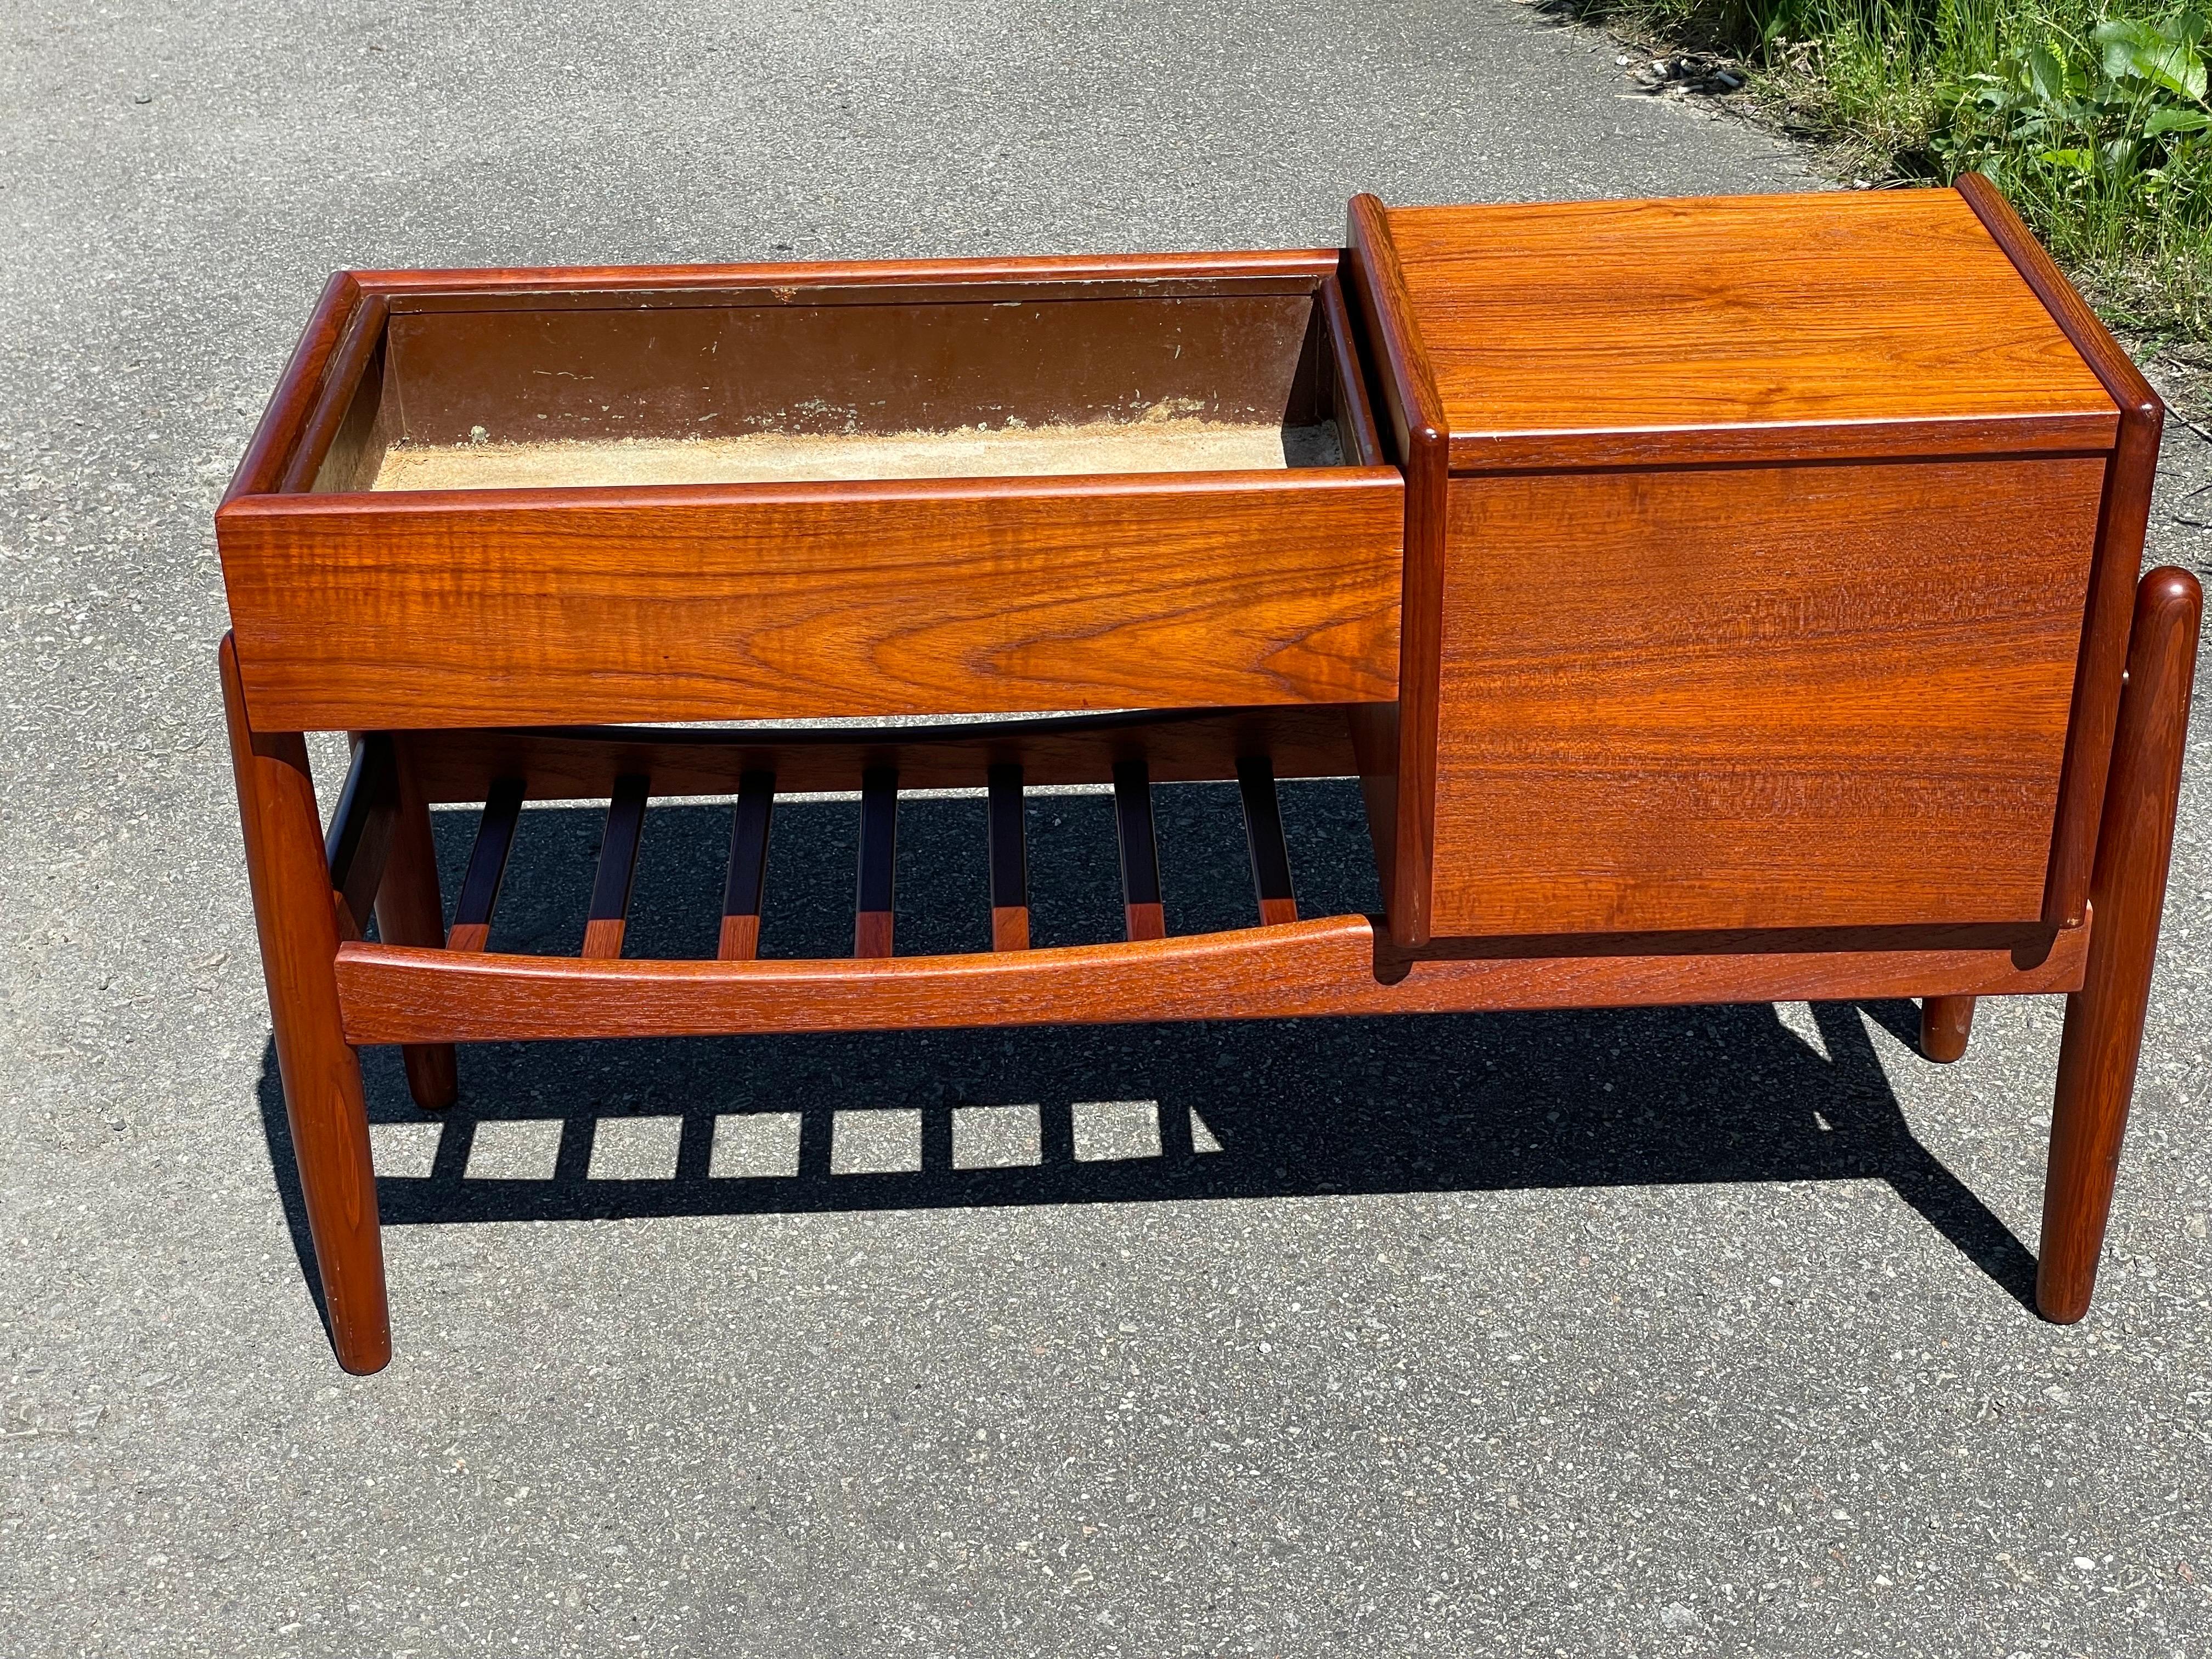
x,y
1375,744
1263,837
360,836
742,883
1008,852
1334,965
410,909
872,906
1141,909
603,932
471,928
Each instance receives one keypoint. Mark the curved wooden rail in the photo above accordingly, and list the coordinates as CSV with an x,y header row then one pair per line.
x,y
1330,966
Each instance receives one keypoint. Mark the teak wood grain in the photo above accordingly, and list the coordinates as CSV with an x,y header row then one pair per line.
x,y
495,608
1607,333
296,917
1335,965
1591,341
1812,696
1415,412
2120,533
2103,1039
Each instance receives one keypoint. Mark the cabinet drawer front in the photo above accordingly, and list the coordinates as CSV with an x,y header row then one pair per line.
x,y
1821,696
800,602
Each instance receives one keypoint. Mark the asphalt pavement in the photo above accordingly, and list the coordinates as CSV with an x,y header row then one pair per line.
x,y
1678,1332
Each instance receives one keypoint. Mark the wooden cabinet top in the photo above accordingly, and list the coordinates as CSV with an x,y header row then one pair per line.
x,y
1648,331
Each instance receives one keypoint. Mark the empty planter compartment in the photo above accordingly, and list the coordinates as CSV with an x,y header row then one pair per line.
x,y
489,498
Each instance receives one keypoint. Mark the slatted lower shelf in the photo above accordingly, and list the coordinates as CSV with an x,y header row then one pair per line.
x,y
1283,967
360,835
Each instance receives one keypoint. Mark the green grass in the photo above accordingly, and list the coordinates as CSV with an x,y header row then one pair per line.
x,y
2091,114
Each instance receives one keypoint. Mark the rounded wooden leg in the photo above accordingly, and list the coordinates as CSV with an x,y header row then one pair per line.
x,y
1945,1025
410,910
297,917
2104,1018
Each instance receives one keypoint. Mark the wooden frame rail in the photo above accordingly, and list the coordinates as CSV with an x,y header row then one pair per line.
x,y
411,994
1332,965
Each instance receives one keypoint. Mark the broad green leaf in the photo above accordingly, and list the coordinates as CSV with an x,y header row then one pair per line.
x,y
2118,42
2046,75
2138,50
2079,161
2185,69
2167,118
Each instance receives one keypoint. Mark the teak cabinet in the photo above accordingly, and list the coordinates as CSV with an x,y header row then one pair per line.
x,y
1753,549
1717,601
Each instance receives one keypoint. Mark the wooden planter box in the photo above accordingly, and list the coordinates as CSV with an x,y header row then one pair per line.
x,y
498,497
1732,602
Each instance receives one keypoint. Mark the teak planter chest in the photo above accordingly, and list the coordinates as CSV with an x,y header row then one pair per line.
x,y
771,574
1718,601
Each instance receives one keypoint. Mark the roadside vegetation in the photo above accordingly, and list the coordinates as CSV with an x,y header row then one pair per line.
x,y
2092,115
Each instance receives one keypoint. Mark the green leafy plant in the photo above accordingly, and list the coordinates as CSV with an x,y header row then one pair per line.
x,y
2092,115
2129,117
2105,143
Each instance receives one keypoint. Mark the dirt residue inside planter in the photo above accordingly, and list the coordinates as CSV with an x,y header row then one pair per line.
x,y
1176,444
